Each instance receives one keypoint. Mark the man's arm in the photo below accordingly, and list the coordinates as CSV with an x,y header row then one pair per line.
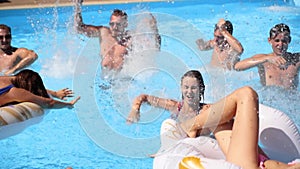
x,y
259,59
202,45
233,42
24,58
88,30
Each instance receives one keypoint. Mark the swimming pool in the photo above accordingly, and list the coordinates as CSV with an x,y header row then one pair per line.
x,y
94,135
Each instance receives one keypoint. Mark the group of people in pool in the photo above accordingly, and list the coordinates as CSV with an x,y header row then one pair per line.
x,y
278,68
233,120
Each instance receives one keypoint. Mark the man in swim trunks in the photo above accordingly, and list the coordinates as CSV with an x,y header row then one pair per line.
x,y
226,48
114,40
279,68
13,59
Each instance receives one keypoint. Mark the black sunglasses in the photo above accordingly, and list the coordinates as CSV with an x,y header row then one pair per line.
x,y
112,24
5,36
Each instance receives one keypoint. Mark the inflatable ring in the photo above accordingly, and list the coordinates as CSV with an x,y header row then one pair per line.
x,y
15,118
278,137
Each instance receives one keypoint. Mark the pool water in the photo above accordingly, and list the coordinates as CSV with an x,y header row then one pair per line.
x,y
94,134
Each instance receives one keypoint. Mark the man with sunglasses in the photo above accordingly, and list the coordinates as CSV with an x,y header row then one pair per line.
x,y
115,40
279,68
13,59
226,48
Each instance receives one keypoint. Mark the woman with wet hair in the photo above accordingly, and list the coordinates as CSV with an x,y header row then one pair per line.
x,y
27,86
192,87
233,120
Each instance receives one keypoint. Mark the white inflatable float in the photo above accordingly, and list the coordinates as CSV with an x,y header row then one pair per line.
x,y
15,118
278,137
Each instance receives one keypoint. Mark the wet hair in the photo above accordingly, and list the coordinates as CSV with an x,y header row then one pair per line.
x,y
30,81
228,26
196,74
2,26
118,12
280,28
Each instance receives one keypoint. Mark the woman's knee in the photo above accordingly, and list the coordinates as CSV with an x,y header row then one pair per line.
x,y
248,92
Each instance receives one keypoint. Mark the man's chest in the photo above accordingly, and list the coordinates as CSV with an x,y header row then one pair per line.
x,y
280,72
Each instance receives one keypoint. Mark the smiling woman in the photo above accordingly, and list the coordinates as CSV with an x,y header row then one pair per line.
x,y
231,121
192,88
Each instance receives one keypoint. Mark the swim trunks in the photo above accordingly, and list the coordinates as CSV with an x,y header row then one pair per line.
x,y
6,89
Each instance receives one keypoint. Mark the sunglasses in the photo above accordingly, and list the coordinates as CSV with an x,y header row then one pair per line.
x,y
222,26
5,36
112,24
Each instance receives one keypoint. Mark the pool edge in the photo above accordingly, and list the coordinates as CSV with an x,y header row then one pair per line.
x,y
27,4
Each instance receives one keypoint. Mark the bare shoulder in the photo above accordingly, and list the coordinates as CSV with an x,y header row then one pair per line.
x,y
261,55
104,29
22,49
18,93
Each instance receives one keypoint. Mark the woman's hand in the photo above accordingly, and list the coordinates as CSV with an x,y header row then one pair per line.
x,y
75,100
63,93
72,102
134,116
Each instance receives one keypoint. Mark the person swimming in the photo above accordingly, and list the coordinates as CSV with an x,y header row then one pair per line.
x,y
226,48
280,67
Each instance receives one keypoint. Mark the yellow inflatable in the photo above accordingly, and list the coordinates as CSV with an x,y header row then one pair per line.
x,y
190,163
15,118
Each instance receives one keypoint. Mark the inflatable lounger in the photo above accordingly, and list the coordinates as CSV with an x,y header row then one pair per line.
x,y
15,118
278,137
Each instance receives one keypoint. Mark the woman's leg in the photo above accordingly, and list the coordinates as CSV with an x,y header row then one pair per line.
x,y
243,105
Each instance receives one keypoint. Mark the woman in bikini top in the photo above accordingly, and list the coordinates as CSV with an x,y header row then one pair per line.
x,y
27,86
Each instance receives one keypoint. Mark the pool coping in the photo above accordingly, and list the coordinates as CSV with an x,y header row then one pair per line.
x,y
25,4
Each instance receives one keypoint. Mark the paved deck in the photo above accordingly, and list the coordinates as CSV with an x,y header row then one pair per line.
x,y
20,4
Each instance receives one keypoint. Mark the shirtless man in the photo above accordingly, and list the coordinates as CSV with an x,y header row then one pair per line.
x,y
13,59
279,68
115,40
226,48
